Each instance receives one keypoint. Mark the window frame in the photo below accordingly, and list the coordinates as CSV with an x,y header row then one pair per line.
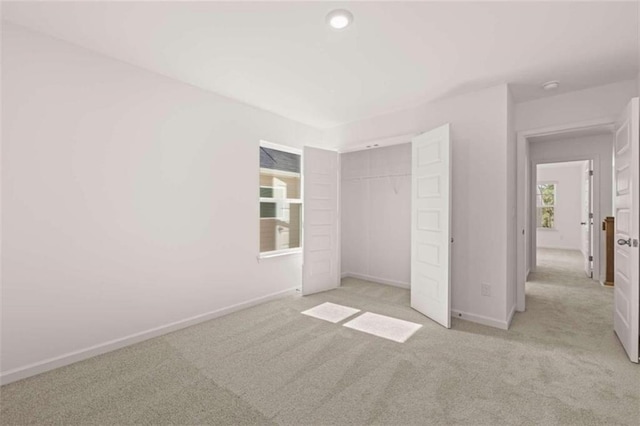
x,y
553,206
281,252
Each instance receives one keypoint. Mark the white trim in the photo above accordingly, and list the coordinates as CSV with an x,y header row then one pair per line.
x,y
510,316
101,348
602,123
339,220
283,148
480,319
280,200
280,173
379,143
379,280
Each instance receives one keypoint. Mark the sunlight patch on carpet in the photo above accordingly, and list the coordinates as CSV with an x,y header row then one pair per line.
x,y
382,326
331,312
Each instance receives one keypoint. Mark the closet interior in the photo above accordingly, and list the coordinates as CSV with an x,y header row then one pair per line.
x,y
375,204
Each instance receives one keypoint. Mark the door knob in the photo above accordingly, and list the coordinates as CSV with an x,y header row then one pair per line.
x,y
583,223
624,242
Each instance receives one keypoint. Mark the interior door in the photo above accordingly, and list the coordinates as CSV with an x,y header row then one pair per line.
x,y
431,225
321,251
586,221
627,221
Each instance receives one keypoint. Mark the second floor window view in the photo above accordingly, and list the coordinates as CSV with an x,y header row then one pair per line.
x,y
280,199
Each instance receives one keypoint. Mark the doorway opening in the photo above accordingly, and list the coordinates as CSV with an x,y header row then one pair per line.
x,y
564,215
613,147
590,143
568,192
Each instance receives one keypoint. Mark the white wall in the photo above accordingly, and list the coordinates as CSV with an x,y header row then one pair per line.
x,y
602,102
567,231
600,149
376,214
129,201
479,143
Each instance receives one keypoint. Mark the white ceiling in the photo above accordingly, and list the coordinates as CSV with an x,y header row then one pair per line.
x,y
282,57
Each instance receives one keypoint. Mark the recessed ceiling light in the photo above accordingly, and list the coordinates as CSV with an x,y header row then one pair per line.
x,y
339,19
551,85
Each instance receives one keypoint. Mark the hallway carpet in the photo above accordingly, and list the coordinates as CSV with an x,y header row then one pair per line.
x,y
560,363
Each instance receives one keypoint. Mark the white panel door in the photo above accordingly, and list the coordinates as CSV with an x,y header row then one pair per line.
x,y
321,262
431,225
627,221
586,221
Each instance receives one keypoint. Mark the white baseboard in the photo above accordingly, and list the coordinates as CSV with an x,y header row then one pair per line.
x,y
101,348
480,319
510,316
377,280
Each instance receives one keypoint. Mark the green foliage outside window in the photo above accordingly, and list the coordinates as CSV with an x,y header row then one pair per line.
x,y
546,200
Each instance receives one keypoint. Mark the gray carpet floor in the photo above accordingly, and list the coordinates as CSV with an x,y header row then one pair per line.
x,y
560,363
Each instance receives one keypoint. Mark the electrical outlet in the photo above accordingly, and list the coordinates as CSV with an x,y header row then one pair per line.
x,y
486,289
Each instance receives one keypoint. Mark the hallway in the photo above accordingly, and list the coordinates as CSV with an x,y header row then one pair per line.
x,y
570,308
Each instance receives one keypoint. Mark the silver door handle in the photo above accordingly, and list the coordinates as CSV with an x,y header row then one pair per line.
x,y
624,242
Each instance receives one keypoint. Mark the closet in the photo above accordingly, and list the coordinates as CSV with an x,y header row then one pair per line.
x,y
391,207
375,192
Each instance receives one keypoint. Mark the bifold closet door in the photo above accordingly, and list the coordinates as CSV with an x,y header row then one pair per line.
x,y
321,252
431,225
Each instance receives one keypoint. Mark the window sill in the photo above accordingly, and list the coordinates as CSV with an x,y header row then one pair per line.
x,y
547,229
279,253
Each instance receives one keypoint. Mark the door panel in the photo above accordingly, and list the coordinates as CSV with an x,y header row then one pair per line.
x,y
431,225
321,263
627,214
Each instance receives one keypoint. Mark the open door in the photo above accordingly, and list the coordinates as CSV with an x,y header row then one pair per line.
x,y
321,252
431,225
627,213
586,218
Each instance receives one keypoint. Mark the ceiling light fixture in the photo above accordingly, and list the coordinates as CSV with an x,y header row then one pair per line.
x,y
551,85
339,19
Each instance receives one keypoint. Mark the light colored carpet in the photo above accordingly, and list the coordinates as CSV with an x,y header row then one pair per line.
x,y
559,364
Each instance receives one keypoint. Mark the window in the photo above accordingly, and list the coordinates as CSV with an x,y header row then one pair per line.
x,y
545,203
280,199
